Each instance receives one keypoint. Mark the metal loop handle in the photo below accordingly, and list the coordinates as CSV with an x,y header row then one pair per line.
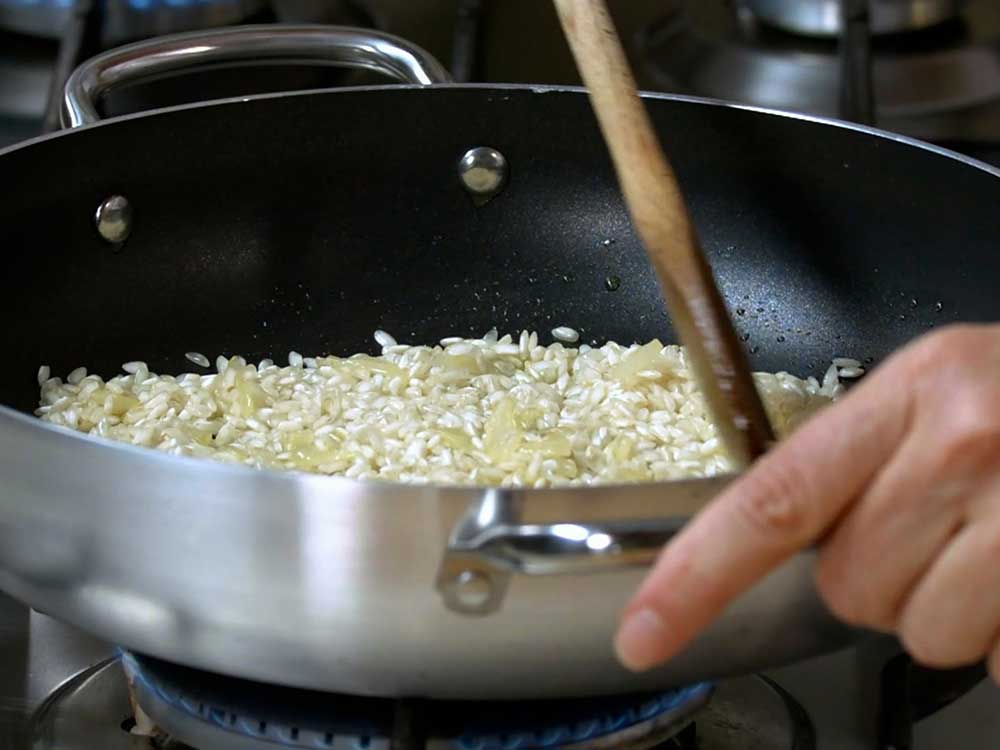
x,y
345,46
490,544
560,548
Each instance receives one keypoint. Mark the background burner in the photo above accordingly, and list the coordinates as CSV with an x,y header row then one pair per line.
x,y
940,83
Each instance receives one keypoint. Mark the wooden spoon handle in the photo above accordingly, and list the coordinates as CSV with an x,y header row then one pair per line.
x,y
663,224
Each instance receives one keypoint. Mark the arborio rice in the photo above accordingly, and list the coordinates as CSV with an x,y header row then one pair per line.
x,y
488,411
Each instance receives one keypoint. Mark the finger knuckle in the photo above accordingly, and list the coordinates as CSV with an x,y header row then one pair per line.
x,y
951,358
991,542
847,599
954,343
970,436
839,598
919,646
993,663
925,646
977,416
777,502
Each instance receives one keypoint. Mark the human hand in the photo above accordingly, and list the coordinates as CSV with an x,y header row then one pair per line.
x,y
899,486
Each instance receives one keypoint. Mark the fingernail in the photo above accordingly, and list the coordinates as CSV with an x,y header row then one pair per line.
x,y
641,640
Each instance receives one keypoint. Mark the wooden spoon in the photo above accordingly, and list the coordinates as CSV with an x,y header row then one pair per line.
x,y
662,221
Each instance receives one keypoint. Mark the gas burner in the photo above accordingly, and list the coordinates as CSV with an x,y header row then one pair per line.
x,y
195,709
939,83
210,711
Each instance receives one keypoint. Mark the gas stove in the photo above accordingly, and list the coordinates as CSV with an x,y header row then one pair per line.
x,y
932,72
60,688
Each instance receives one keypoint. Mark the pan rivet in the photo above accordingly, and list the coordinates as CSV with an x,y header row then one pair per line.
x,y
113,219
483,172
472,589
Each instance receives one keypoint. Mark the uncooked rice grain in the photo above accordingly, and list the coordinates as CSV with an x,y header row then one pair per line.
x,y
383,339
198,358
565,333
500,411
850,372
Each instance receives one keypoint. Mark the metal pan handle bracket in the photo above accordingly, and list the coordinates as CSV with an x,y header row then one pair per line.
x,y
488,545
337,45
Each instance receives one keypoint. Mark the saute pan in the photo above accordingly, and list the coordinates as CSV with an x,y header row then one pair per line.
x,y
307,220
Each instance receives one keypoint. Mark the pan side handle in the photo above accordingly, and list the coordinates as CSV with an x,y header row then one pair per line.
x,y
488,545
334,45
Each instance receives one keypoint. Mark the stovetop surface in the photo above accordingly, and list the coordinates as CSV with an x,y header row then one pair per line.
x,y
37,654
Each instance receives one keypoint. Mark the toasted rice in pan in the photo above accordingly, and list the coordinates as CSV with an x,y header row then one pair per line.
x,y
488,411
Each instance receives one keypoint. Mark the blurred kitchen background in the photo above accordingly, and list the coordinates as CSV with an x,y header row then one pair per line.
x,y
927,68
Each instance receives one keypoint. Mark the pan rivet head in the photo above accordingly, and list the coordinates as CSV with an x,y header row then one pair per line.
x,y
483,171
472,589
113,219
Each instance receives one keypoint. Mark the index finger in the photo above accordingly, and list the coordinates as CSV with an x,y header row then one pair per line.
x,y
785,502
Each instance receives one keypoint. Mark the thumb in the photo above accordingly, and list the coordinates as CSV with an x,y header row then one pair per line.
x,y
784,503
